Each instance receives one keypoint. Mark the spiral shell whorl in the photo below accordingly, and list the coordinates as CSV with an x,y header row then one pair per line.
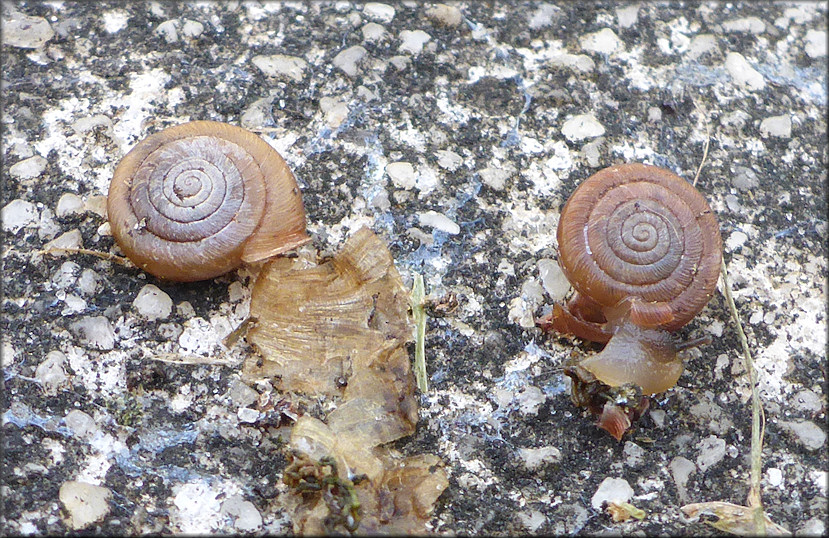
x,y
640,232
194,201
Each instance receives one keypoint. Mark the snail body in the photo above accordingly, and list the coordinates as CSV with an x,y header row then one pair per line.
x,y
642,250
197,200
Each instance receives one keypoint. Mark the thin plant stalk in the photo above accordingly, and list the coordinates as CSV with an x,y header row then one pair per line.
x,y
419,314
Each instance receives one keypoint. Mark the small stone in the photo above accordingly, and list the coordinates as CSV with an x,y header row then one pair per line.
x,y
536,457
28,168
82,425
815,43
627,15
69,204
602,42
735,241
50,372
681,470
373,32
579,62
280,65
495,178
84,503
66,275
402,174
168,30
439,221
552,278
711,452
335,111
805,432
751,25
745,178
807,400
258,114
94,332
533,520
774,476
611,490
379,12
241,394
581,127
246,414
530,399
185,309
413,41
25,32
449,16
814,527
71,240
350,59
97,204
701,44
18,214
448,159
742,73
192,29
658,416
634,454
780,126
542,17
245,516
152,303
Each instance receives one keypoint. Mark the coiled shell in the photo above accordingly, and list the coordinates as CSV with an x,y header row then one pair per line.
x,y
195,201
640,238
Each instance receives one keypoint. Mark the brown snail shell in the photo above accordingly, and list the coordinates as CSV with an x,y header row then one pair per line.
x,y
197,200
643,250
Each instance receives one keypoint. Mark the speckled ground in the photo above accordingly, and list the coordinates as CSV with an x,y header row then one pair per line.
x,y
456,132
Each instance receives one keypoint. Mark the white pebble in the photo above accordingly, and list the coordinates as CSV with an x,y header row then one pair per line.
x,y
495,178
448,159
806,432
18,214
247,414
378,11
627,15
82,425
152,303
85,503
50,372
25,32
536,457
603,42
446,15
168,30
192,29
277,65
807,400
69,204
611,490
700,45
774,477
373,32
88,282
780,126
752,25
349,60
581,127
402,174
245,516
711,452
28,168
413,41
552,278
70,240
94,332
439,221
742,73
579,62
815,43
735,241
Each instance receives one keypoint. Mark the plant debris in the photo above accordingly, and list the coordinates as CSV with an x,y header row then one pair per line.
x,y
337,330
732,518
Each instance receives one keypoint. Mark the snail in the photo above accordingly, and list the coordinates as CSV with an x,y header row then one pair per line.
x,y
642,250
197,200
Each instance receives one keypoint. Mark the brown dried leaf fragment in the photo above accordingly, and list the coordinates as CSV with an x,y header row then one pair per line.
x,y
732,518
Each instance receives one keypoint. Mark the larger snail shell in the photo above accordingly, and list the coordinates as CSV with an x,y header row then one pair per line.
x,y
196,200
643,240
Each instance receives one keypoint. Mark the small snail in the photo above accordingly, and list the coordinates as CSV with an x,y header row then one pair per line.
x,y
642,249
197,200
